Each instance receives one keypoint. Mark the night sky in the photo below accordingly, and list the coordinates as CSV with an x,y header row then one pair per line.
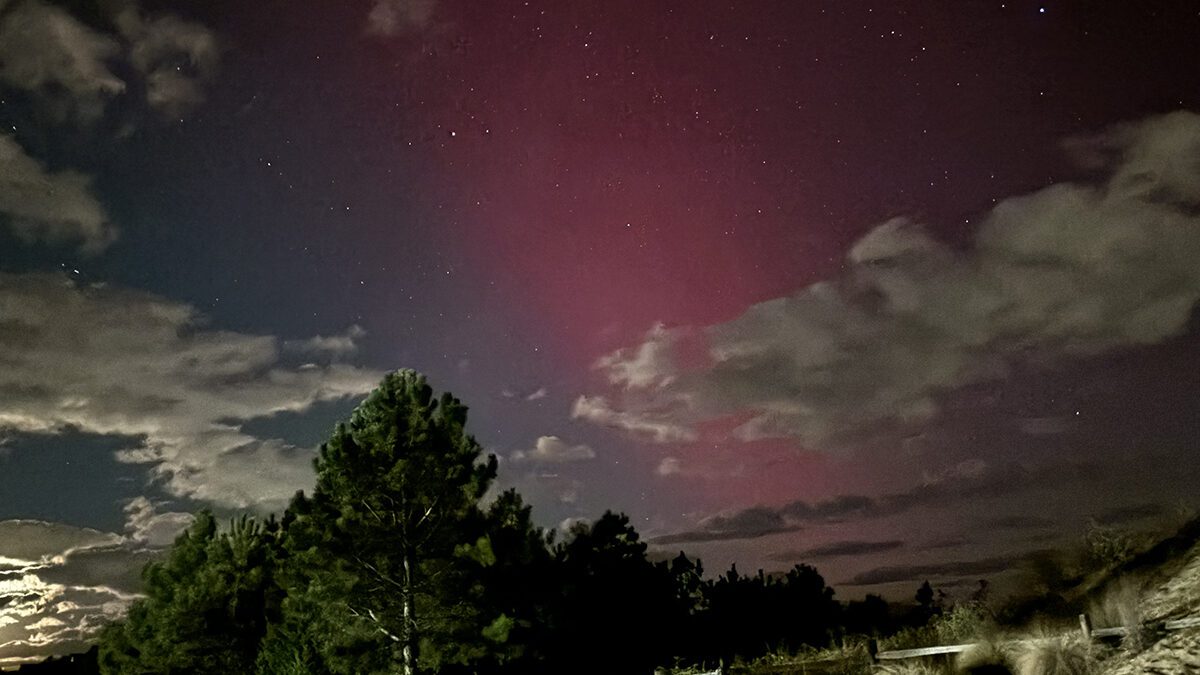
x,y
901,290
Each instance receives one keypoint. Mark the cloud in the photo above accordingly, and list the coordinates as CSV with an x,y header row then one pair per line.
x,y
69,66
1120,515
648,365
109,360
35,541
567,525
335,346
60,584
655,425
1072,270
668,466
967,481
146,525
392,17
55,208
45,50
175,57
552,449
535,395
751,523
961,568
1019,522
836,550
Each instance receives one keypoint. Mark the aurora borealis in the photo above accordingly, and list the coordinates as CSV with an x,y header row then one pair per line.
x,y
901,290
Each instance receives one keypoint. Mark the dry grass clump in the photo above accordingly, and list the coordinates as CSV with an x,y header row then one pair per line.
x,y
1121,606
985,658
1059,655
912,667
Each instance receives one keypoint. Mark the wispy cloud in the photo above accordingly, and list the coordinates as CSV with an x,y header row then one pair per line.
x,y
836,550
751,523
552,449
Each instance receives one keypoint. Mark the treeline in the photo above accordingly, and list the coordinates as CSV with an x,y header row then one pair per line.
x,y
394,564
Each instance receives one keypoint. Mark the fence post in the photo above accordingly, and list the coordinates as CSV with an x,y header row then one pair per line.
x,y
1085,624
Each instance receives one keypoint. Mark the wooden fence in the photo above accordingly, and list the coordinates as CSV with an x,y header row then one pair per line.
x,y
1085,626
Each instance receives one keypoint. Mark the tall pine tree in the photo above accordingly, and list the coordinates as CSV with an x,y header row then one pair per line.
x,y
381,557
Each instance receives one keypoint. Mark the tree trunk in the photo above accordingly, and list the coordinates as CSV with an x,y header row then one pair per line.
x,y
410,632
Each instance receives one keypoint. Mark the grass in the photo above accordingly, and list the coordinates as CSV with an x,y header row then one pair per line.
x,y
1058,655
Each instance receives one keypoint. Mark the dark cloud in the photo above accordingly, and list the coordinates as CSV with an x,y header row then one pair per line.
x,y
965,482
836,550
954,569
942,543
1121,515
1018,522
748,524
1072,270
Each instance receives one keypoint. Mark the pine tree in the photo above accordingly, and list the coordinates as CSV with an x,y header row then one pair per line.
x,y
382,556
207,604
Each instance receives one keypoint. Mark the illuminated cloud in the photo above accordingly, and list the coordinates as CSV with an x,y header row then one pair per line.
x,y
552,449
668,466
335,346
60,584
654,425
1072,270
109,360
146,525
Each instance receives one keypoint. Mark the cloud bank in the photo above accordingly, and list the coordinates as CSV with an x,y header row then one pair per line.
x,y
968,481
1073,270
836,550
116,361
60,584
